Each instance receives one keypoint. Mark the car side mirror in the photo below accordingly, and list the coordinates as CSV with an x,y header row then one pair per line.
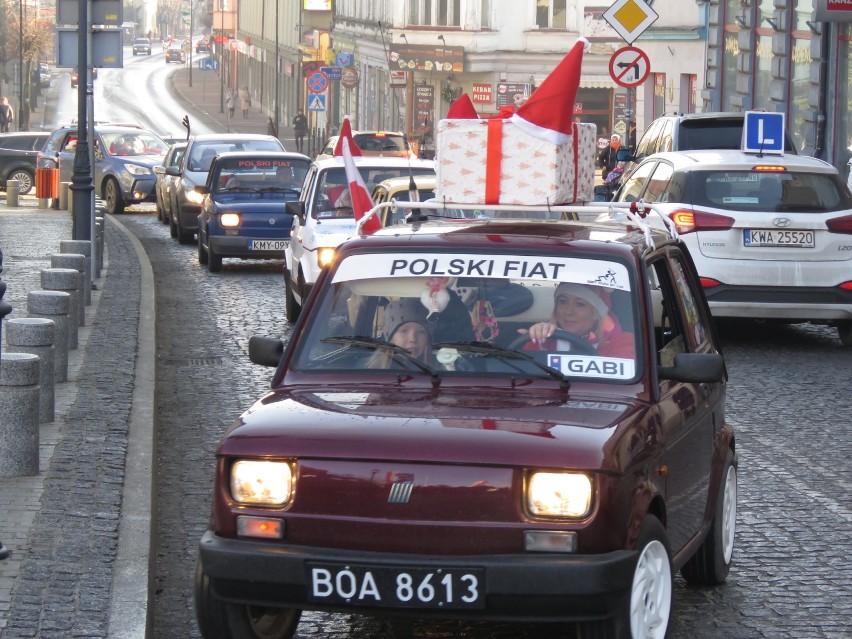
x,y
265,351
202,189
296,209
695,368
173,171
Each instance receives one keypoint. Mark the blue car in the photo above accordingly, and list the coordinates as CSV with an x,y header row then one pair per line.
x,y
243,213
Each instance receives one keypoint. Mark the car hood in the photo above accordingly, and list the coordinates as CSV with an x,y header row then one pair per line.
x,y
144,160
331,232
196,177
446,426
248,201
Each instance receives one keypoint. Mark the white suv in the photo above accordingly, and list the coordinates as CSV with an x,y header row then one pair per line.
x,y
771,236
322,221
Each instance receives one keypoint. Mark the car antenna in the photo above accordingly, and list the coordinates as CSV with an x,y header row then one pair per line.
x,y
185,123
416,216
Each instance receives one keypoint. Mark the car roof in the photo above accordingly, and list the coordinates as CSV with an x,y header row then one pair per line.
x,y
261,155
375,161
611,237
230,137
716,159
422,181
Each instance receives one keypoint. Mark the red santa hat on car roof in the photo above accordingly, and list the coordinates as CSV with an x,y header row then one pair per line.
x,y
549,111
462,109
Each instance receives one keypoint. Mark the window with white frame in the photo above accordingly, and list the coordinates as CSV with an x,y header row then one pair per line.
x,y
436,13
551,14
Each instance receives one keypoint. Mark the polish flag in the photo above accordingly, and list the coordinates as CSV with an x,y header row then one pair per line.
x,y
346,134
361,200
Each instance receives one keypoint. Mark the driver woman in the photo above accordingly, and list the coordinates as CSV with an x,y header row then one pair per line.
x,y
584,311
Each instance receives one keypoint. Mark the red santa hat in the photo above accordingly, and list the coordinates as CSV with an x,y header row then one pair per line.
x,y
549,111
462,109
346,133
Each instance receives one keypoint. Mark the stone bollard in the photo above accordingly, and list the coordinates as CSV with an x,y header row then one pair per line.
x,y
99,246
64,191
82,247
54,305
19,399
35,335
76,261
13,191
68,281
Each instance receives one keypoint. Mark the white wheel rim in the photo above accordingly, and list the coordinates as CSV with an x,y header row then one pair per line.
x,y
729,513
651,596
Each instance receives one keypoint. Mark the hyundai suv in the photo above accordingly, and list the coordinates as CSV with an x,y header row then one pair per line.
x,y
142,45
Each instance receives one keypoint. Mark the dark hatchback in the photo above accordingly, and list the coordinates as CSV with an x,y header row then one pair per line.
x,y
243,213
18,158
475,475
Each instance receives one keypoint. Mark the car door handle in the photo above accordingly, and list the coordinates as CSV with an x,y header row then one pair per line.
x,y
705,390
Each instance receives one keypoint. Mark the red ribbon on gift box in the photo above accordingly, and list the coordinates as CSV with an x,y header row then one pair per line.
x,y
494,159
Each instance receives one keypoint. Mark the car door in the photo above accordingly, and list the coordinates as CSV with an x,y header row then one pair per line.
x,y
688,412
298,230
635,183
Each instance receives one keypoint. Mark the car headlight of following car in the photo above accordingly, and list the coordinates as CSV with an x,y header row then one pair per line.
x,y
325,256
262,483
136,169
559,494
193,196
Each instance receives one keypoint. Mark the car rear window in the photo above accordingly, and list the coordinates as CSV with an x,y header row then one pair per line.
x,y
380,142
768,191
715,134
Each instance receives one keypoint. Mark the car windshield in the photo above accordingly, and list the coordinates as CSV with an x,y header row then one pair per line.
x,y
774,191
710,133
333,200
263,175
135,143
202,154
505,315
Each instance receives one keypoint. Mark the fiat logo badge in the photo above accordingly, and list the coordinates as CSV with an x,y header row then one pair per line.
x,y
272,221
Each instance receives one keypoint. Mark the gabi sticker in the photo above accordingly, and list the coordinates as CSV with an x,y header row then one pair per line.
x,y
591,366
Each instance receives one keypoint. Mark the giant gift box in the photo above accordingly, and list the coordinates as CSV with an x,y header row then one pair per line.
x,y
493,161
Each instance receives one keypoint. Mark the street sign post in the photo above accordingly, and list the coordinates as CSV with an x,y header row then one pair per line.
x,y
629,67
630,18
317,82
316,102
763,132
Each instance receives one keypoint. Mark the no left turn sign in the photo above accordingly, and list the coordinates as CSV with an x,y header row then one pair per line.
x,y
629,67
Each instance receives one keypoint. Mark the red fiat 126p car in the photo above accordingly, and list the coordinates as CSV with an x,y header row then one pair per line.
x,y
497,419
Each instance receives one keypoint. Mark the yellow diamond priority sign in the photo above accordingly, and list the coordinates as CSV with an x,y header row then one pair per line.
x,y
630,18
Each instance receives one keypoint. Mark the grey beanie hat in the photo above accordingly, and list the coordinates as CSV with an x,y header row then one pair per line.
x,y
397,313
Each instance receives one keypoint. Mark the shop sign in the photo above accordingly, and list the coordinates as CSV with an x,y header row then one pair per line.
x,y
349,77
512,93
483,93
422,58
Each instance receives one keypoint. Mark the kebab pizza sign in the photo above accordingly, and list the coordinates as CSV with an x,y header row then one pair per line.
x,y
483,93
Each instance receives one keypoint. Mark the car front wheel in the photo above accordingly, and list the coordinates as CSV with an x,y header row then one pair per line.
x,y
112,197
291,306
219,619
25,180
646,613
844,332
709,566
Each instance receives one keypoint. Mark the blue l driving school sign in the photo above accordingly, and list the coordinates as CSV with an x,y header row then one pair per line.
x,y
763,132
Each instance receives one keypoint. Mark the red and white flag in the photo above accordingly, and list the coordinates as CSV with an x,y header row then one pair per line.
x,y
361,200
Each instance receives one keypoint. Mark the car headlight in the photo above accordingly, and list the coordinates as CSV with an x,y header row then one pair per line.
x,y
325,256
193,196
559,494
229,219
266,483
135,169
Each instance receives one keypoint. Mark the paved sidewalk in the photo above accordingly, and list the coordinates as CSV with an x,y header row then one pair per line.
x,y
79,531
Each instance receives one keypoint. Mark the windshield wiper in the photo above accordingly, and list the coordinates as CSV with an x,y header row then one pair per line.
x,y
280,189
379,344
241,188
486,348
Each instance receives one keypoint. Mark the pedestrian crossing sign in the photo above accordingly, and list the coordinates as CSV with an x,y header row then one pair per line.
x,y
316,102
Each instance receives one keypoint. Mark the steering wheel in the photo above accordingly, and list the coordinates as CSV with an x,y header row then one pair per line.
x,y
578,344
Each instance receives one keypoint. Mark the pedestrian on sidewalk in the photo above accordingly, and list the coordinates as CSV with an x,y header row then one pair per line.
x,y
7,115
232,103
300,127
245,101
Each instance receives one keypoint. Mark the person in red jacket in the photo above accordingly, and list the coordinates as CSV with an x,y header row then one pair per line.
x,y
585,311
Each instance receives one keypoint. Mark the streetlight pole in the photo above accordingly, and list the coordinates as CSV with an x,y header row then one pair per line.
x,y
277,71
191,3
21,67
221,59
